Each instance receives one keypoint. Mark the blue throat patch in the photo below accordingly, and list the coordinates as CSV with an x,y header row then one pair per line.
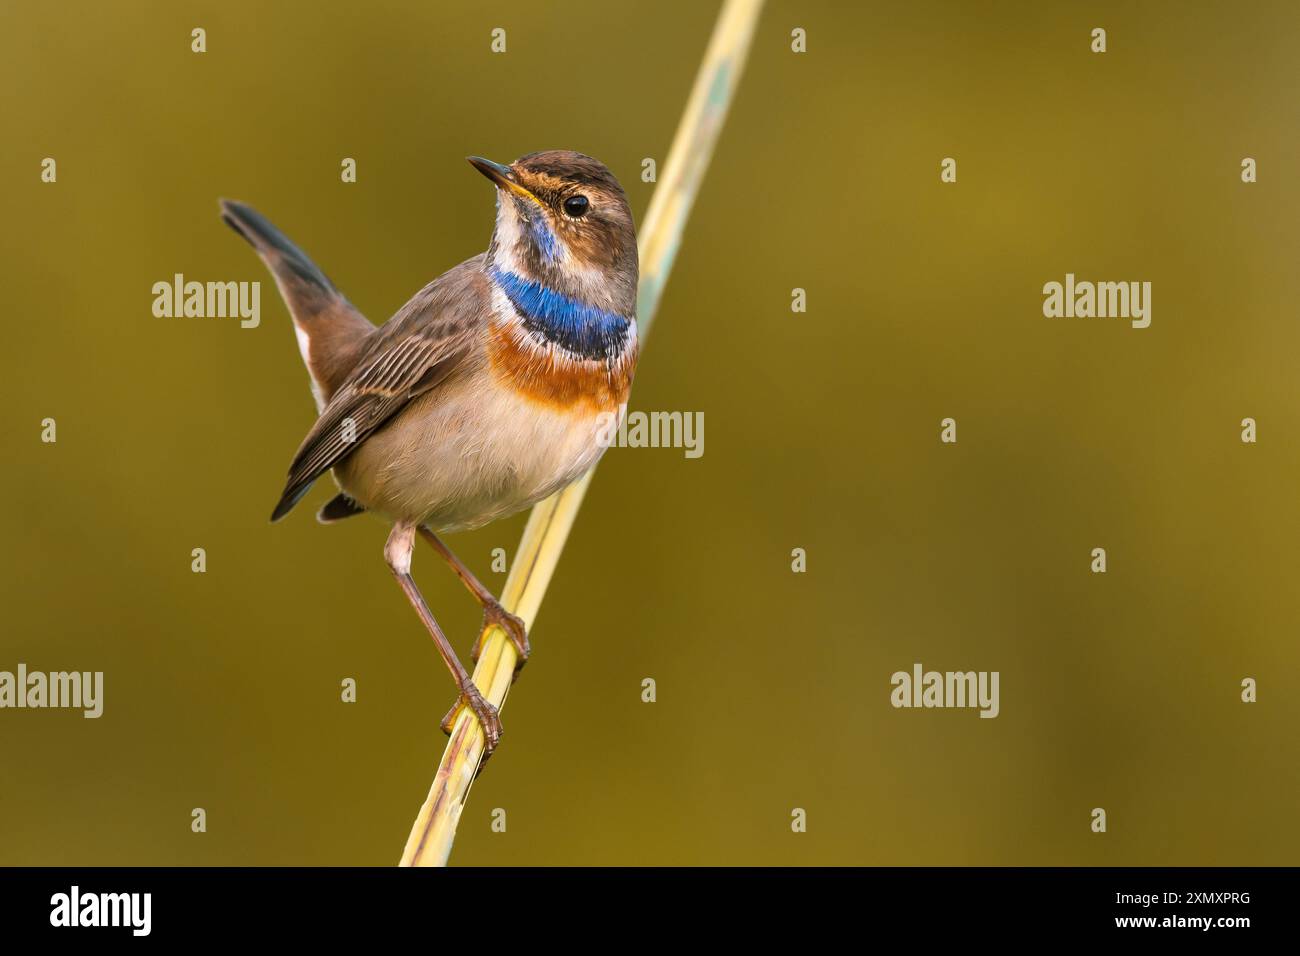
x,y
544,239
584,330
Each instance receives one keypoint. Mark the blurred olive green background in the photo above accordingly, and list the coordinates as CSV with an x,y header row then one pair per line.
x,y
822,432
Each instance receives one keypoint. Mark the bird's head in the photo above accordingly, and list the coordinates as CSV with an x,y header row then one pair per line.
x,y
564,222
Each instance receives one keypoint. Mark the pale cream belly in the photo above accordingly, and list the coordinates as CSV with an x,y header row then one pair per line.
x,y
469,453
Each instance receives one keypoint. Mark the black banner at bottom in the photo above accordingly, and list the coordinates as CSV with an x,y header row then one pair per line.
x,y
455,906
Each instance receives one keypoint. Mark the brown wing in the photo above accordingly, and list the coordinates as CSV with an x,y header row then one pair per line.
x,y
380,389
418,348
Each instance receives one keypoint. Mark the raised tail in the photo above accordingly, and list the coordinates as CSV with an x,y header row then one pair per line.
x,y
331,332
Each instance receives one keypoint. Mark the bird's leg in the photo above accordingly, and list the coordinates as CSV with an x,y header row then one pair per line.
x,y
397,552
493,612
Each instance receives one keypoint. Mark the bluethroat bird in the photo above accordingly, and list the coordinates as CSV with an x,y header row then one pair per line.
x,y
492,388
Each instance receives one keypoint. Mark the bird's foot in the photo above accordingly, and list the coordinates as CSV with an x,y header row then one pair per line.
x,y
487,715
494,613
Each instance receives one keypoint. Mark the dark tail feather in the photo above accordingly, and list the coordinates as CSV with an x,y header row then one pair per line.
x,y
338,508
285,260
334,328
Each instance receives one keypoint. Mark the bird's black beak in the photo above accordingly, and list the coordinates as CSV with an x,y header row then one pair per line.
x,y
503,176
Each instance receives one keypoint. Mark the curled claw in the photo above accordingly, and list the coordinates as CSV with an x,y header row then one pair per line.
x,y
488,717
513,625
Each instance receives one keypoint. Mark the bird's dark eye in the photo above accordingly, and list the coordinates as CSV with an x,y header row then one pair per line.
x,y
576,206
